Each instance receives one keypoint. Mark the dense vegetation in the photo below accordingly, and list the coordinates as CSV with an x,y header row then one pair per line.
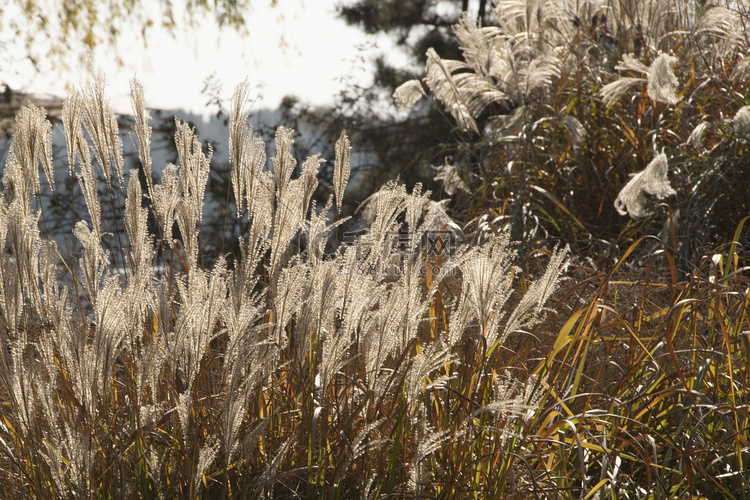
x,y
563,331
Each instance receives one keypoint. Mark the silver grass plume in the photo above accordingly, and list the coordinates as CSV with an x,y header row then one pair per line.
x,y
287,221
246,358
408,94
576,130
189,229
309,179
283,162
259,233
420,373
439,78
401,307
428,442
17,185
101,124
287,299
88,181
630,63
26,242
464,94
436,219
194,166
166,197
741,122
722,22
528,312
142,130
341,168
515,59
417,206
486,283
612,92
255,182
650,181
318,231
264,486
479,45
240,139
695,138
72,117
359,295
662,83
514,399
335,345
92,261
203,300
110,330
382,208
136,218
363,443
205,458
315,312
32,144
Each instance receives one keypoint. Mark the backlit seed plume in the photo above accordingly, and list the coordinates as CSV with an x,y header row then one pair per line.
x,y
32,143
612,92
253,182
408,94
142,130
575,129
240,138
341,168
166,196
439,79
696,136
72,117
283,162
741,122
310,179
651,181
662,83
88,181
136,218
101,124
194,165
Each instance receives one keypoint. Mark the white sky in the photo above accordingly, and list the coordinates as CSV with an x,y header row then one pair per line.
x,y
299,47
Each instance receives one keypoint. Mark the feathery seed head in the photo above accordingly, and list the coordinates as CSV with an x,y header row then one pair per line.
x,y
651,181
662,83
408,94
341,168
142,129
741,122
32,144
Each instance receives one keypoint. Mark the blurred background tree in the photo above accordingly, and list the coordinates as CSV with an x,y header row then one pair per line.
x,y
49,30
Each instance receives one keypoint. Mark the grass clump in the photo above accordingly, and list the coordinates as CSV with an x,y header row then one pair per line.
x,y
130,369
